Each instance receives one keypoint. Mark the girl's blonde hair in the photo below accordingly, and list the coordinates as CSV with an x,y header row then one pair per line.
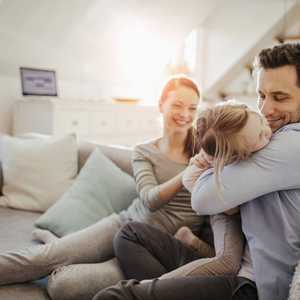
x,y
218,131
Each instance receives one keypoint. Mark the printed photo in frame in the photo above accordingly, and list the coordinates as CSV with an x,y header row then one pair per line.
x,y
38,82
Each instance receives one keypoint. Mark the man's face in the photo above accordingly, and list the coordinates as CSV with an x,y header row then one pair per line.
x,y
279,96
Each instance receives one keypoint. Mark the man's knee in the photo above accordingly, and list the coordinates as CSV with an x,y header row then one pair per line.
x,y
134,230
131,232
119,291
107,294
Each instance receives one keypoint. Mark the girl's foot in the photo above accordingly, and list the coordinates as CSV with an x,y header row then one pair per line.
x,y
44,236
186,236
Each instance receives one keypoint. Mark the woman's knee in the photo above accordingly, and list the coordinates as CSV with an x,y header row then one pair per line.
x,y
57,283
62,286
83,281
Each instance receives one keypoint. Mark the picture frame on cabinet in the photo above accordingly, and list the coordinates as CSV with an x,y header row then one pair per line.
x,y
39,82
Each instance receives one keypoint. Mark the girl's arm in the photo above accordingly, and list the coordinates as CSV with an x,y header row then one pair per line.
x,y
153,194
190,176
198,164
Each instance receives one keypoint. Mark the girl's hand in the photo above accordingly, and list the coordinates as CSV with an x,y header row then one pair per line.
x,y
202,160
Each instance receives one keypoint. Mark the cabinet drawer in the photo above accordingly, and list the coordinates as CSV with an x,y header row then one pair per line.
x,y
127,124
72,121
151,122
102,122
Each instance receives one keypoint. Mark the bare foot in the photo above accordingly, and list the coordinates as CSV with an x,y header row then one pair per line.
x,y
186,236
44,236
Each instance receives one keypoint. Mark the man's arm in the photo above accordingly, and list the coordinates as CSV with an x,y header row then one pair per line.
x,y
274,168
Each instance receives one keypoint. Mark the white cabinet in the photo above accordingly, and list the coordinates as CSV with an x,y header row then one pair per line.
x,y
71,121
111,123
102,121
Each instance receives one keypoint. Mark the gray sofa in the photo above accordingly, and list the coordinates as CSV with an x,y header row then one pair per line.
x,y
16,225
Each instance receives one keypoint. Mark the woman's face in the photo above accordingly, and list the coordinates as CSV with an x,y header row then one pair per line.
x,y
257,133
179,109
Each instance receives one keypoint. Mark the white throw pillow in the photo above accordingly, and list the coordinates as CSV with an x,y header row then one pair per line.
x,y
36,172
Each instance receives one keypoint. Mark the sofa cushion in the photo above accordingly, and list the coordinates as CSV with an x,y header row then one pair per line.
x,y
1,173
37,172
15,233
27,291
100,189
15,228
1,179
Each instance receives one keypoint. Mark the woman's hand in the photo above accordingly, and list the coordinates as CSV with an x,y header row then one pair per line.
x,y
202,160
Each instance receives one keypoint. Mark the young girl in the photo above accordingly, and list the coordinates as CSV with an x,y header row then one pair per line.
x,y
226,133
82,260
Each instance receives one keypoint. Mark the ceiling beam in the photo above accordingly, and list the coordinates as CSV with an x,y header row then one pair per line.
x,y
284,38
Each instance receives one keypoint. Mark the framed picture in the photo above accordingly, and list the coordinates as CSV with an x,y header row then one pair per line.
x,y
38,82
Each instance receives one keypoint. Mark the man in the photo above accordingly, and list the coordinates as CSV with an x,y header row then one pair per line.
x,y
267,189
271,178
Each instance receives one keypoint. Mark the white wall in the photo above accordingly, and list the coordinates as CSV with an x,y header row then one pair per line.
x,y
8,94
105,48
98,48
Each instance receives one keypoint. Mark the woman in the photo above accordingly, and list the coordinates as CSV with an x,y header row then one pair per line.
x,y
227,134
162,202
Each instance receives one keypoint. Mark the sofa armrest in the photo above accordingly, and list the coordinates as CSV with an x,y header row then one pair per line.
x,y
1,178
1,174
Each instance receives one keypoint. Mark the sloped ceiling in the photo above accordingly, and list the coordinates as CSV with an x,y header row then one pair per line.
x,y
87,30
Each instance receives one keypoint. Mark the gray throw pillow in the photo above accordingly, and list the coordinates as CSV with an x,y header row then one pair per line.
x,y
100,189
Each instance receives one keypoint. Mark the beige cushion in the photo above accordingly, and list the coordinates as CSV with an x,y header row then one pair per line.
x,y
37,172
26,291
119,155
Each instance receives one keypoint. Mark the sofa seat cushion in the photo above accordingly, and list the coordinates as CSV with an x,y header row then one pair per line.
x,y
15,228
28,291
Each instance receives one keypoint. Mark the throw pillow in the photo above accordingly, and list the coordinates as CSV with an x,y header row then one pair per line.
x,y
36,172
100,189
